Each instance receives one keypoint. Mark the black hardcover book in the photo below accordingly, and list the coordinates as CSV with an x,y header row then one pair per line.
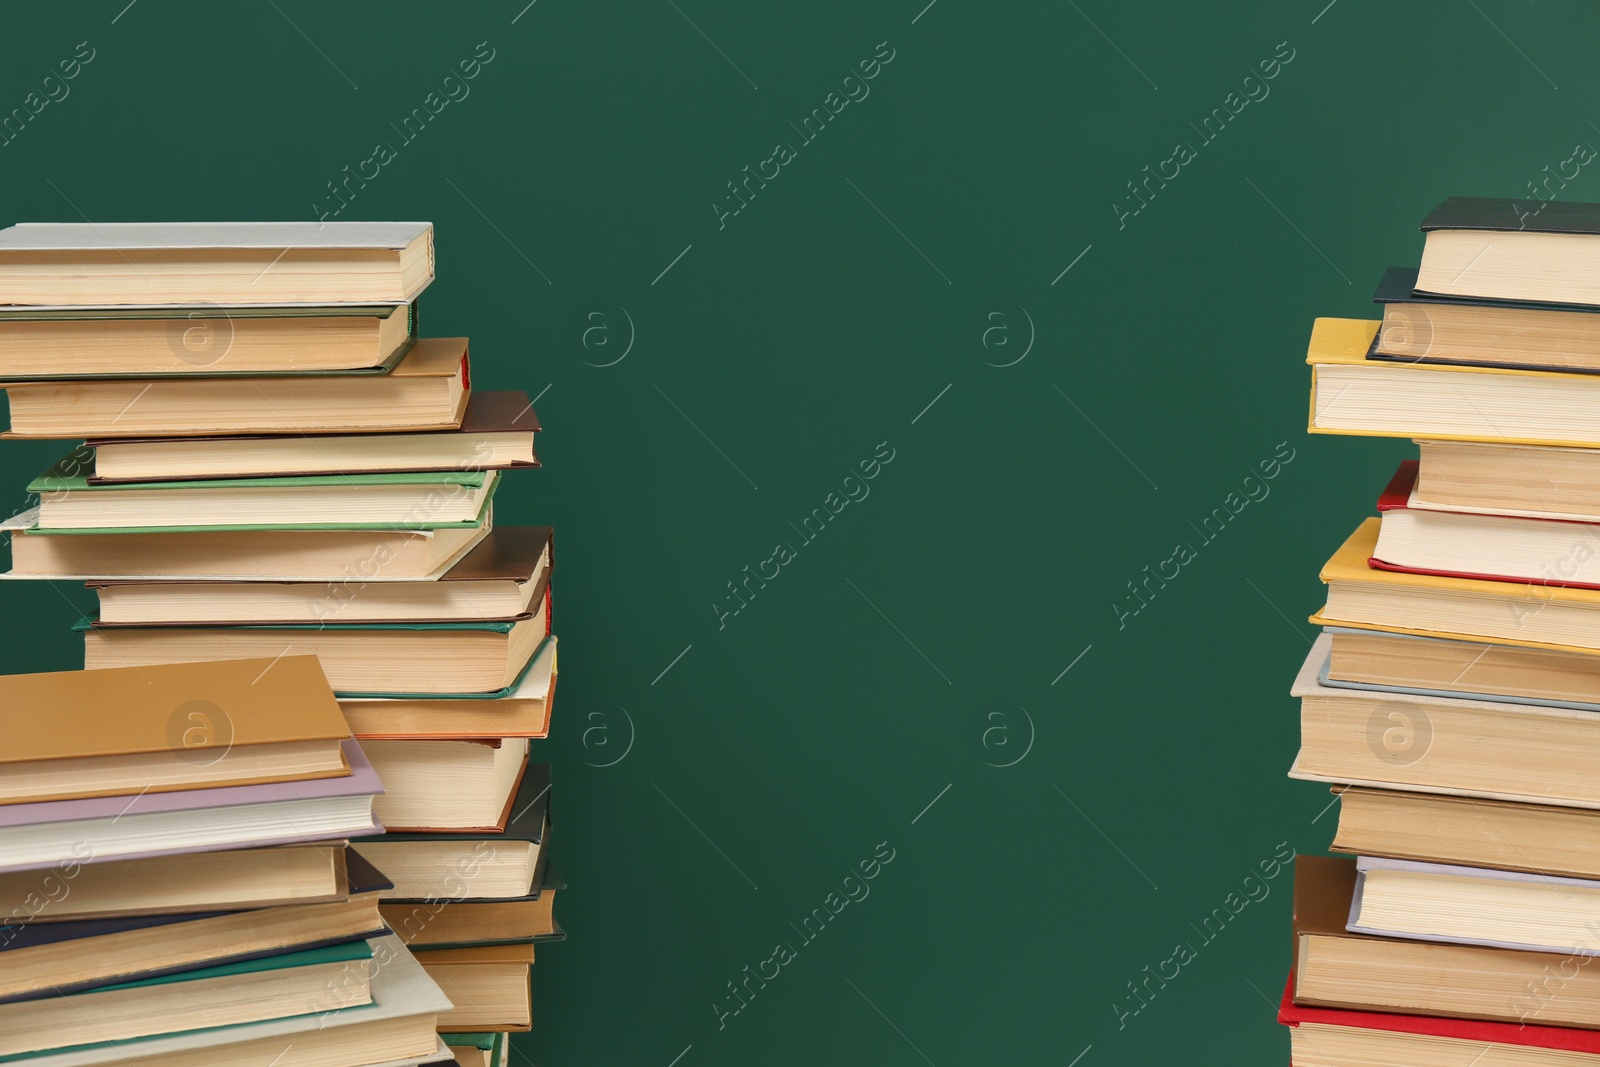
x,y
1533,216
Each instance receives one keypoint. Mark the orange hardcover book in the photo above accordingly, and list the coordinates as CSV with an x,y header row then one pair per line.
x,y
131,730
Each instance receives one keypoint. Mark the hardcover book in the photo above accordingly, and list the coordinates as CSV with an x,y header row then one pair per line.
x,y
1351,394
497,431
1545,250
65,833
123,730
201,342
426,390
145,264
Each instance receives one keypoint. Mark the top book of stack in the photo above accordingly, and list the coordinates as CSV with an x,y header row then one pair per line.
x,y
230,264
1535,250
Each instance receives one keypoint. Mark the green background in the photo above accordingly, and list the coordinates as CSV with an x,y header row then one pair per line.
x,y
906,650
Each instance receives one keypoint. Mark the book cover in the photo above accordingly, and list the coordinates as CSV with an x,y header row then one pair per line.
x,y
1486,213
123,710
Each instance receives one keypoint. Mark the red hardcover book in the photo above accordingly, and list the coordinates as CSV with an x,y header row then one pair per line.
x,y
1466,544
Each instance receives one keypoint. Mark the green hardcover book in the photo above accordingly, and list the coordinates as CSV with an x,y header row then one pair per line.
x,y
418,500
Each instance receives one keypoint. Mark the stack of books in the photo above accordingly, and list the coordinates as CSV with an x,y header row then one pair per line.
x,y
176,885
1453,698
274,465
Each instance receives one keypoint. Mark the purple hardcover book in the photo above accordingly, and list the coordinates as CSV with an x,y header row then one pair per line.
x,y
67,833
1493,909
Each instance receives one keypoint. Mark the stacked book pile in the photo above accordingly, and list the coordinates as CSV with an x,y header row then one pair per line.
x,y
1453,698
275,469
176,883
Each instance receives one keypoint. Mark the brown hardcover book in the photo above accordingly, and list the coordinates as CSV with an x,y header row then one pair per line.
x,y
427,390
128,730
1335,968
1469,832
503,576
497,431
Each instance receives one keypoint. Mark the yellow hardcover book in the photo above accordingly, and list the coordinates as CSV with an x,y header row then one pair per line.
x,y
1527,614
1353,395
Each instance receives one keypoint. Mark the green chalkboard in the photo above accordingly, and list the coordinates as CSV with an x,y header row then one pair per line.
x,y
879,348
